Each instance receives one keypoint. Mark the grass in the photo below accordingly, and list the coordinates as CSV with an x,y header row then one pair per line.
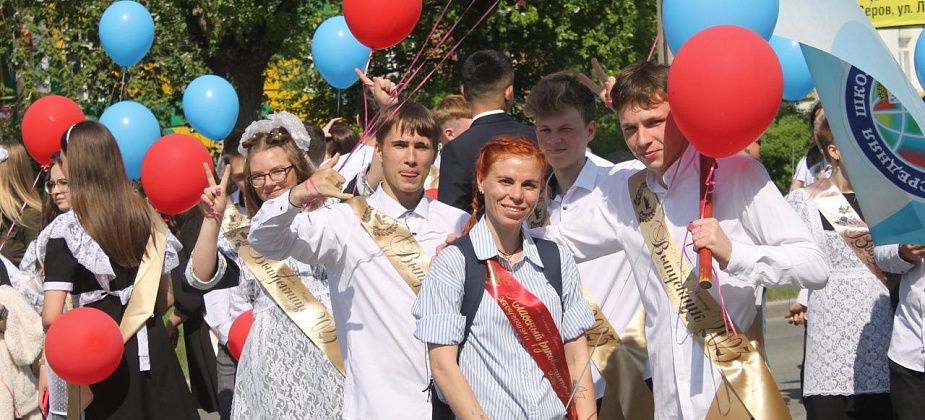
x,y
782,294
181,347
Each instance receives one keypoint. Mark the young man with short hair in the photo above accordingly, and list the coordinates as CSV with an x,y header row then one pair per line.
x,y
376,253
488,87
563,116
702,361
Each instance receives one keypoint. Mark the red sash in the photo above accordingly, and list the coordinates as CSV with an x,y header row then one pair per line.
x,y
535,327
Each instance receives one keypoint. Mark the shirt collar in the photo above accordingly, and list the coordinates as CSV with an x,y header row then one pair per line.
x,y
485,248
688,163
586,179
487,113
382,201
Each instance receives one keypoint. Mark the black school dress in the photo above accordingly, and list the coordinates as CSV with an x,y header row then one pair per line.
x,y
129,393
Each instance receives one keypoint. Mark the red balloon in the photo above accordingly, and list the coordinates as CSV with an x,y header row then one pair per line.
x,y
84,346
381,24
237,335
172,175
45,122
724,87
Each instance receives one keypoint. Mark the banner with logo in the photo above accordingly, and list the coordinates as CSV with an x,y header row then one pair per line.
x,y
892,13
874,112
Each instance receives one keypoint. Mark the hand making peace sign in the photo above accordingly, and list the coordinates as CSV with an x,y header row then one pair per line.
x,y
325,182
214,198
602,92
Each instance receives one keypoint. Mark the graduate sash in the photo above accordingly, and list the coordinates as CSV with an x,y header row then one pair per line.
x,y
140,306
747,384
396,242
535,327
284,287
621,359
849,225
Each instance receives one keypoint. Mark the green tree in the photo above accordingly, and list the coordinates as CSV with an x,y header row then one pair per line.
x,y
53,46
783,144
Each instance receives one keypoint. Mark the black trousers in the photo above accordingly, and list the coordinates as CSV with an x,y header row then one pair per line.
x,y
853,407
907,390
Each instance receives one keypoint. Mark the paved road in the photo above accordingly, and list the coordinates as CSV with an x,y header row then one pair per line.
x,y
785,354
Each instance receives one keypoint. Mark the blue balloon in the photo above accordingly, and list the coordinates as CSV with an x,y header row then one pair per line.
x,y
797,79
127,32
135,129
684,18
210,105
919,59
336,53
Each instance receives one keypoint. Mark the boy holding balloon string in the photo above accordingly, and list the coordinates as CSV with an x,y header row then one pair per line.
x,y
702,362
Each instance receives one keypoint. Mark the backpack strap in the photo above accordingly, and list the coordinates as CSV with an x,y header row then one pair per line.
x,y
549,255
474,287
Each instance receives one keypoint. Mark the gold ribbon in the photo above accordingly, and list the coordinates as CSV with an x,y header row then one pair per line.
x,y
286,289
621,360
396,242
849,225
747,381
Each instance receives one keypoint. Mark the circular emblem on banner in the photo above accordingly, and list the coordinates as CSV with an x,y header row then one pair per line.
x,y
885,132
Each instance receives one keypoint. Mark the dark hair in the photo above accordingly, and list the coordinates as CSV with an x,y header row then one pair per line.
x,y
104,200
486,73
642,84
230,146
278,137
343,139
558,91
499,148
410,118
317,145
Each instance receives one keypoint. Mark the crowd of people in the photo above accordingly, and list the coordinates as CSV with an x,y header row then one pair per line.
x,y
458,263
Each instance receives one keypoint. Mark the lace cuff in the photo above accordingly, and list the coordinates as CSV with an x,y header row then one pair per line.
x,y
197,283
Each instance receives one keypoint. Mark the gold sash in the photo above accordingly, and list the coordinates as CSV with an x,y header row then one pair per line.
x,y
621,359
396,242
849,225
746,376
284,287
140,305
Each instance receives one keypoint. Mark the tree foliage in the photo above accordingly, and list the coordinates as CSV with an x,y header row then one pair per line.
x,y
783,144
53,46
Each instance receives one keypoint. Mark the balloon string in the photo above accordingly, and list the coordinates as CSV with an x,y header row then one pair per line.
x,y
439,44
23,207
426,40
122,87
364,139
372,126
440,63
658,36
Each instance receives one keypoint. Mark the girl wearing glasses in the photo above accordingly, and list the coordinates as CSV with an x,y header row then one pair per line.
x,y
20,207
281,372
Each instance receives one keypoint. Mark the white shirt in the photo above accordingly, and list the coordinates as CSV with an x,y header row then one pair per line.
x,y
609,279
487,113
371,303
356,161
771,247
599,161
907,345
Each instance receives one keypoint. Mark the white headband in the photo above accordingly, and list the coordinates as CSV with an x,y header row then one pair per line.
x,y
290,122
4,154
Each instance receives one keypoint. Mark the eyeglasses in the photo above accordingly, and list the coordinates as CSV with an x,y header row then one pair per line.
x,y
50,185
277,175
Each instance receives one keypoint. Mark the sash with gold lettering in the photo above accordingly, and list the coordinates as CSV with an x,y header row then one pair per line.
x,y
535,328
285,288
621,360
849,225
396,242
749,389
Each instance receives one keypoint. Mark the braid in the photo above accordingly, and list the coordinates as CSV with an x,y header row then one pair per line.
x,y
477,199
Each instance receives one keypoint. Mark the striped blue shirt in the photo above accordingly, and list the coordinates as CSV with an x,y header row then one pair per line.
x,y
506,380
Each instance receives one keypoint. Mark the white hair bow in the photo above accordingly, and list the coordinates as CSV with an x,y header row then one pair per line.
x,y
290,122
4,154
